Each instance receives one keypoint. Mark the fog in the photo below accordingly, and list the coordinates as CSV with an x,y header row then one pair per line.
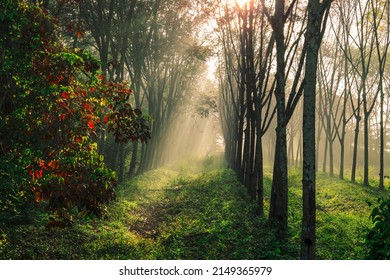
x,y
195,131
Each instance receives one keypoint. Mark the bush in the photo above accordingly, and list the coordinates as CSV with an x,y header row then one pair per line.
x,y
53,103
378,237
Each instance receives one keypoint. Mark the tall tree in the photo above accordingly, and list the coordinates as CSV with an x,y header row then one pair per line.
x,y
291,42
381,20
360,56
329,84
279,196
341,30
318,12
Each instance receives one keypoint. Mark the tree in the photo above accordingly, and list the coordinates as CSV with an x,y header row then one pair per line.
x,y
279,196
381,12
318,12
341,31
359,54
329,84
279,192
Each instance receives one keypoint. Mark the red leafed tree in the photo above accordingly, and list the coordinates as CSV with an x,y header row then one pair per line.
x,y
53,101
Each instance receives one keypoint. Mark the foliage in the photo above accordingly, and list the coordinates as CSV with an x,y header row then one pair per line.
x,y
206,105
53,103
378,237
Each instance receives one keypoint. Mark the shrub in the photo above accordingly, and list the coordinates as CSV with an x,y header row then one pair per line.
x,y
54,101
378,237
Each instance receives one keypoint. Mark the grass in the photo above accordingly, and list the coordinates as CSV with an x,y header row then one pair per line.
x,y
198,210
342,215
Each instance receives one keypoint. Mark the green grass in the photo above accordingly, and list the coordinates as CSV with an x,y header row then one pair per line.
x,y
342,215
198,210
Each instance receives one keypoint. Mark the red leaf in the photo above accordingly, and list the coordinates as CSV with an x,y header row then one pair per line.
x,y
65,95
52,164
87,106
91,125
38,197
39,173
105,120
79,33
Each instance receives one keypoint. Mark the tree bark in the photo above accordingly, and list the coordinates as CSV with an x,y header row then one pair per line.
x,y
355,148
366,148
279,193
316,11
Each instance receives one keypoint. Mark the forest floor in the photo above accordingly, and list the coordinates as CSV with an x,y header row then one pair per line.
x,y
198,210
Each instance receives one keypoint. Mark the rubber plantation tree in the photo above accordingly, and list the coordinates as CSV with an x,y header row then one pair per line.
x,y
318,12
53,100
369,97
330,115
381,21
287,41
278,207
360,55
340,24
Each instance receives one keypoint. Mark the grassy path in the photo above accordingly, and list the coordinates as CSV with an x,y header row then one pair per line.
x,y
163,214
197,212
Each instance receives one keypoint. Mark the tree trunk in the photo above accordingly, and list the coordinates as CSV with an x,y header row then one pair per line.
x,y
313,37
238,160
291,149
114,157
325,155
319,130
299,153
121,163
260,175
366,149
279,193
342,152
309,177
134,158
344,120
331,171
355,150
382,145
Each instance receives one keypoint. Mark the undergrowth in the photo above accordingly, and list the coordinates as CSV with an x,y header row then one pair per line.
x,y
190,212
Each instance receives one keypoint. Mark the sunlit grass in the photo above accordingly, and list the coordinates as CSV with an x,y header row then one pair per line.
x,y
198,210
342,215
